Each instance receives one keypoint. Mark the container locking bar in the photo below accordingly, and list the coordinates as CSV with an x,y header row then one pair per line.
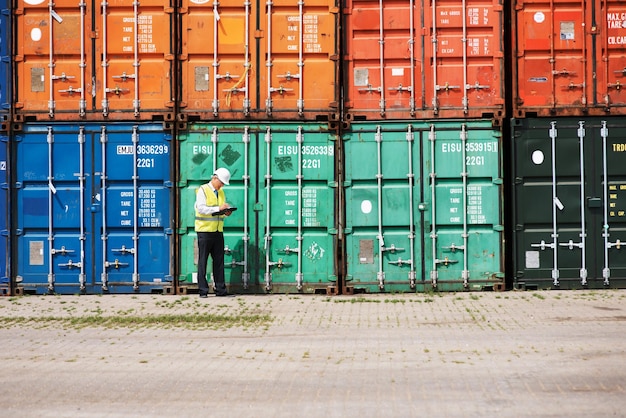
x,y
432,136
380,275
245,275
104,276
606,271
268,182
51,192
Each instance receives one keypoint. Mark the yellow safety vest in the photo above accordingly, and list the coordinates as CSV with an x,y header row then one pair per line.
x,y
209,223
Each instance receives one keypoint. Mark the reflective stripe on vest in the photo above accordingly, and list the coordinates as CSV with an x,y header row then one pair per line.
x,y
209,223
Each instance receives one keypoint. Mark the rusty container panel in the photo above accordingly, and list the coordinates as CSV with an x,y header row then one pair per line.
x,y
260,60
444,59
108,62
570,58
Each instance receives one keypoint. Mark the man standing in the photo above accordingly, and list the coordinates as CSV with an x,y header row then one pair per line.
x,y
210,198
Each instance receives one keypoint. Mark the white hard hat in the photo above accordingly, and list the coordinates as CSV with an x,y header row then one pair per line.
x,y
223,175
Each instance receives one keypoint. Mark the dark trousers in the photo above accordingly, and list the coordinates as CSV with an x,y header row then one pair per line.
x,y
211,243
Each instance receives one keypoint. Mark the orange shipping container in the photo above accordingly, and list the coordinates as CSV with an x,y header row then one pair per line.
x,y
420,60
110,61
569,58
258,60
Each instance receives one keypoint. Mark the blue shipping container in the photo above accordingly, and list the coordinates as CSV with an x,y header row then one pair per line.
x,y
93,208
5,248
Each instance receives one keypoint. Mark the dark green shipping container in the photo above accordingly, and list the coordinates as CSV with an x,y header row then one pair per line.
x,y
569,203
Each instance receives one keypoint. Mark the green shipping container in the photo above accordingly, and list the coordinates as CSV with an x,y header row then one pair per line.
x,y
569,203
423,206
282,238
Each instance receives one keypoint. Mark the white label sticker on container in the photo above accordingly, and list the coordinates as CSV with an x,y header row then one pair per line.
x,y
35,34
532,259
366,206
539,17
537,157
3,165
397,71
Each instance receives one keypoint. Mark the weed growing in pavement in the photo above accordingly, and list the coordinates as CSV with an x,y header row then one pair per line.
x,y
131,321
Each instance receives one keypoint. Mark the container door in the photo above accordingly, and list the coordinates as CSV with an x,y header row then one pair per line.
x,y
216,64
298,57
6,51
52,57
54,223
551,62
133,57
569,211
133,202
203,148
464,200
82,229
384,234
281,238
5,247
385,76
298,218
465,56
613,51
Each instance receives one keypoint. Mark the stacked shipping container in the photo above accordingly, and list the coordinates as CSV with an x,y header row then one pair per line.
x,y
5,116
91,147
567,146
364,139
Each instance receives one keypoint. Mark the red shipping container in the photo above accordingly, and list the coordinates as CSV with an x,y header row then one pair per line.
x,y
259,60
569,58
78,61
440,59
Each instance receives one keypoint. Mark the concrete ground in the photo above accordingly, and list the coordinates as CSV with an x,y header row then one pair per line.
x,y
510,354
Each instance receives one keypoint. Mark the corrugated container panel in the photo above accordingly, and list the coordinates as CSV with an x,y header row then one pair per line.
x,y
5,242
282,237
111,61
423,206
5,60
569,58
93,208
408,60
569,202
274,60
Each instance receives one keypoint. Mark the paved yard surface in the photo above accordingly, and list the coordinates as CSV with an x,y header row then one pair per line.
x,y
511,354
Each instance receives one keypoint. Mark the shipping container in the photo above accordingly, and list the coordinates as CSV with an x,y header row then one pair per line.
x,y
93,61
423,206
569,202
93,207
5,243
412,60
282,238
5,63
569,58
265,60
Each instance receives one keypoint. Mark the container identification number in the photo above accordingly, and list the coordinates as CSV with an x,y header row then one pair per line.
x,y
143,149
306,150
470,147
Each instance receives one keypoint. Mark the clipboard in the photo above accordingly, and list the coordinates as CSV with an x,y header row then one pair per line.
x,y
224,211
